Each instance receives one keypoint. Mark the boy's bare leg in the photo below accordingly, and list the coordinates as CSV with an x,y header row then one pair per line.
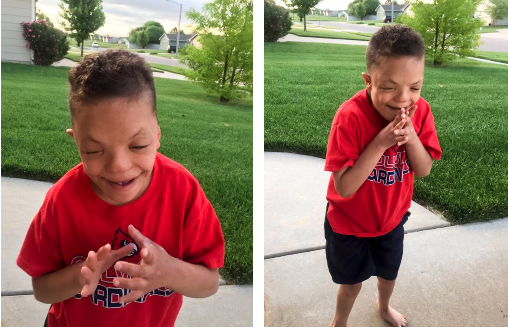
x,y
346,297
385,288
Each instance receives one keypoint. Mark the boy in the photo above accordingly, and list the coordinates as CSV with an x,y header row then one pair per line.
x,y
378,139
124,234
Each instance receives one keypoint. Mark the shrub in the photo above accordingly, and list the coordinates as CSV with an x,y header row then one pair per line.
x,y
372,23
48,43
277,21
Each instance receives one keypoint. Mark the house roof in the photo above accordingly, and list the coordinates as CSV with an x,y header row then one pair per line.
x,y
395,7
183,37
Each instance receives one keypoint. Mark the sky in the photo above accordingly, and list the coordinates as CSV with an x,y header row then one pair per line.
x,y
123,15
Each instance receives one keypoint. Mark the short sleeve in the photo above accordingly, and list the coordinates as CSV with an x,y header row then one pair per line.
x,y
428,136
343,149
40,252
203,242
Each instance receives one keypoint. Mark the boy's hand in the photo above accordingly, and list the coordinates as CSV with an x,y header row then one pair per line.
x,y
154,272
387,138
407,130
98,263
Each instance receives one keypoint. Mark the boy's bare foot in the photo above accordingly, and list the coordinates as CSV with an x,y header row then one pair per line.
x,y
392,316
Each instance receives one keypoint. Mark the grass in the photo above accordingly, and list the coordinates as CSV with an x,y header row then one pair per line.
x,y
166,55
317,33
306,83
493,56
492,29
321,18
212,140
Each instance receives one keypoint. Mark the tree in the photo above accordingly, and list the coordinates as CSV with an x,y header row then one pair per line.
x,y
302,7
277,21
150,32
362,8
223,64
389,2
446,26
175,31
82,17
498,9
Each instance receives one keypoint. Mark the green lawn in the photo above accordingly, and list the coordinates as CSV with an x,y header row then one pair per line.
x,y
305,83
165,54
212,140
318,33
491,29
321,18
493,56
155,67
169,68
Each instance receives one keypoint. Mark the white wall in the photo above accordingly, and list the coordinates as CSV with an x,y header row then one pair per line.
x,y
14,12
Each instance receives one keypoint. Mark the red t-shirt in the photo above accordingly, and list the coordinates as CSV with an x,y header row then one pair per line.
x,y
173,212
379,204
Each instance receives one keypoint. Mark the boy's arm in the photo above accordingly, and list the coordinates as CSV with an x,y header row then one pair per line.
x,y
60,285
348,180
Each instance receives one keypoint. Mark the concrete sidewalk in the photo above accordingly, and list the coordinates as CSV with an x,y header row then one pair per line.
x,y
21,199
450,275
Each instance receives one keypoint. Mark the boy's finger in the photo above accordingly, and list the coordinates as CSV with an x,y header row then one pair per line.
x,y
133,296
133,270
400,125
91,260
103,250
140,239
147,255
122,252
131,284
412,110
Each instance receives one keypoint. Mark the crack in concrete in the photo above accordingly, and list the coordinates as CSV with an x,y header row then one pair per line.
x,y
304,250
17,293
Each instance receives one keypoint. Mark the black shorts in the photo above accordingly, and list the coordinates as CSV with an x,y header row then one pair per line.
x,y
353,260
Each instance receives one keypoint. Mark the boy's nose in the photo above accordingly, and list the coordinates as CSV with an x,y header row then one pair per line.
x,y
119,162
403,97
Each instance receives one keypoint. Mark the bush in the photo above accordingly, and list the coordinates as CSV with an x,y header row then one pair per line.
x,y
277,21
360,23
372,23
48,43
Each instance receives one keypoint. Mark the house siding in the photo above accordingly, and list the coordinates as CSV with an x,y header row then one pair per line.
x,y
14,12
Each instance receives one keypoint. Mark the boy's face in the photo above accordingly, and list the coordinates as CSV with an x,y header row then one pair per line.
x,y
117,140
395,83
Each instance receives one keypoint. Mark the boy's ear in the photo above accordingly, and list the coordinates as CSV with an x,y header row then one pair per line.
x,y
368,81
159,137
70,132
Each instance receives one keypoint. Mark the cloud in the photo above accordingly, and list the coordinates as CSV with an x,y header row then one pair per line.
x,y
123,15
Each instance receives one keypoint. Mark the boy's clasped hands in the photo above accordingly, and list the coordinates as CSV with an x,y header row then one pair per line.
x,y
153,272
400,131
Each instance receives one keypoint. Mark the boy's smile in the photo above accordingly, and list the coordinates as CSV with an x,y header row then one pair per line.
x,y
117,140
395,83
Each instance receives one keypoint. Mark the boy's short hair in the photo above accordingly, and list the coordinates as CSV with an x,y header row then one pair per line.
x,y
394,41
108,74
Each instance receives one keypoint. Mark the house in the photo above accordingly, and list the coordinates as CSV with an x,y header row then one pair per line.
x,y
170,39
15,12
481,12
385,11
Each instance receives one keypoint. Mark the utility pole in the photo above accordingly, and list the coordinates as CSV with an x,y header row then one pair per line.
x,y
392,13
178,32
